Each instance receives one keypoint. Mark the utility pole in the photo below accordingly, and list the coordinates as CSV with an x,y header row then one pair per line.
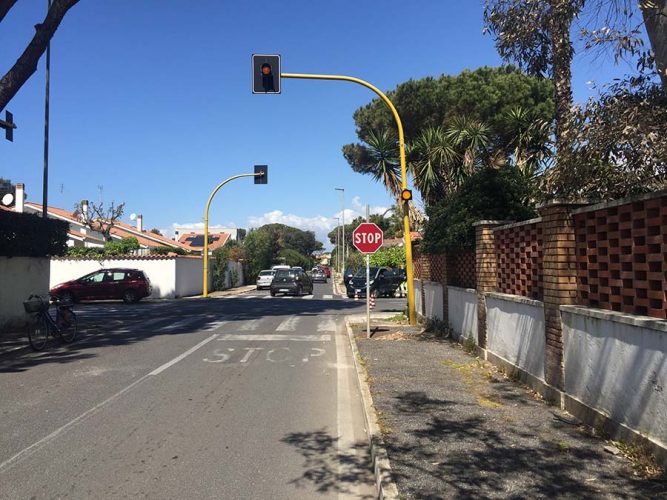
x,y
45,184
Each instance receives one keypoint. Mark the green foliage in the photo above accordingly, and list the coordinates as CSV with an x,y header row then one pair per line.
x,y
166,250
483,94
620,147
291,257
389,257
490,194
257,247
28,235
355,260
114,248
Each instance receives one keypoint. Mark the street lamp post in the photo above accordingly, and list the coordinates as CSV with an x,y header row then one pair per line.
x,y
342,205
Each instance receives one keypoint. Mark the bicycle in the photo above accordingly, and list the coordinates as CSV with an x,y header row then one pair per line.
x,y
64,324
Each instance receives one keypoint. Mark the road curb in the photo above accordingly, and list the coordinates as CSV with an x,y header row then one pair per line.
x,y
386,487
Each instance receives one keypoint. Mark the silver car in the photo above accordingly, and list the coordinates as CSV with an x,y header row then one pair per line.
x,y
265,278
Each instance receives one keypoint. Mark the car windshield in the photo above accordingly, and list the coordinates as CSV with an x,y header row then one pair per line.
x,y
361,273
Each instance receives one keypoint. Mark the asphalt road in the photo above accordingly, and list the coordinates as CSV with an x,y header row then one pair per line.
x,y
240,397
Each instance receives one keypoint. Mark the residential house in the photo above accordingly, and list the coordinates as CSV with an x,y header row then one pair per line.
x,y
195,241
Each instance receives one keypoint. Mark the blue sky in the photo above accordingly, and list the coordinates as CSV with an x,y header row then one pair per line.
x,y
151,101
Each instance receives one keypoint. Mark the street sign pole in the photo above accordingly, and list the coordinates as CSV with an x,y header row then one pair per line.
x,y
368,289
412,313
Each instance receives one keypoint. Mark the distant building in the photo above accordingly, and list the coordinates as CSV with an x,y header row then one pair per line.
x,y
195,241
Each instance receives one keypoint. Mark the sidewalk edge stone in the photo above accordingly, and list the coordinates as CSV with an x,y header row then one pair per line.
x,y
381,466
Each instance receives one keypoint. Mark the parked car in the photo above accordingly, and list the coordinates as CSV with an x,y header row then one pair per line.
x,y
291,281
265,278
318,275
383,282
130,285
349,274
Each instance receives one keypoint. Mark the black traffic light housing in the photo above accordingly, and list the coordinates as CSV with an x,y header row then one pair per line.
x,y
265,74
264,170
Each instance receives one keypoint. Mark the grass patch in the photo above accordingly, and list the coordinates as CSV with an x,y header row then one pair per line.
x,y
485,402
399,318
563,446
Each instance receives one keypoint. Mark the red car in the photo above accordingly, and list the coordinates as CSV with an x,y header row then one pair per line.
x,y
130,285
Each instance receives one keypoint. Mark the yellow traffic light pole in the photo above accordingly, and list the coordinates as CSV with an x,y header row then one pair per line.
x,y
208,204
404,180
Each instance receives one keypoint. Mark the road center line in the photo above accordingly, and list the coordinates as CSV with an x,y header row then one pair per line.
x,y
26,452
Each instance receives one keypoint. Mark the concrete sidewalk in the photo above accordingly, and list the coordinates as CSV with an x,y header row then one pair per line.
x,y
453,427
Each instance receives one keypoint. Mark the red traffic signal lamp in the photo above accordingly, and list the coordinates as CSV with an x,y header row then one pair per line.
x,y
265,74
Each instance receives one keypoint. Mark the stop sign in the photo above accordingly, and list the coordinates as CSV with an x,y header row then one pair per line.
x,y
367,237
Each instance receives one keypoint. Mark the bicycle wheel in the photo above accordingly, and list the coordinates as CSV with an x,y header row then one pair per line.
x,y
68,325
38,333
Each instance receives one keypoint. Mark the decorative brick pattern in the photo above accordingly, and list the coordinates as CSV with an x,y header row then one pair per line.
x,y
461,270
519,250
621,256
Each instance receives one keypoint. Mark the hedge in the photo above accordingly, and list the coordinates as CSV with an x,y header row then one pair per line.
x,y
29,235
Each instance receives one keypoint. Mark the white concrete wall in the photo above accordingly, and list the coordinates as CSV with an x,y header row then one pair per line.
x,y
515,331
617,363
433,299
233,267
20,277
418,296
161,272
462,303
189,276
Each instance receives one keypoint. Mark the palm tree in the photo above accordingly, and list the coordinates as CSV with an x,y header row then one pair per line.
x,y
384,163
432,158
528,141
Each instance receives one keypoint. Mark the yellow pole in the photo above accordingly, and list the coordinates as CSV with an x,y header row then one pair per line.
x,y
404,180
208,204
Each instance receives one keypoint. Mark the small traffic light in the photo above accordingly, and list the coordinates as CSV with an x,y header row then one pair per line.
x,y
9,125
406,195
265,74
264,171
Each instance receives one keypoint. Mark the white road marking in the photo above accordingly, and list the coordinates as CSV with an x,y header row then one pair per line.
x,y
185,354
180,324
272,337
288,325
214,326
249,325
327,297
250,350
308,297
26,452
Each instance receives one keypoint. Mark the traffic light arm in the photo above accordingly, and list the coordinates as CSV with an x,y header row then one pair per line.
x,y
208,204
404,179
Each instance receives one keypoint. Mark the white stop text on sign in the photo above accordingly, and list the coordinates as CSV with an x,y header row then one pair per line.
x,y
367,238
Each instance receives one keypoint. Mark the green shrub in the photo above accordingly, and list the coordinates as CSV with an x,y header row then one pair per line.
x,y
165,250
29,235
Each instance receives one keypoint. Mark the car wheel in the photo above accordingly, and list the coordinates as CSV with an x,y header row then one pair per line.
x,y
374,293
67,297
129,296
273,294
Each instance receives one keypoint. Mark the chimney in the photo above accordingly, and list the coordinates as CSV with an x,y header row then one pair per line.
x,y
84,209
140,223
20,197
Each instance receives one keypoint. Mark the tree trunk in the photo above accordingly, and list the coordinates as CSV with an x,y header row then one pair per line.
x,y
26,64
655,20
562,14
5,5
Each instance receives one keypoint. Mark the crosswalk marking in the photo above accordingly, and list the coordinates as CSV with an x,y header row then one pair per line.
x,y
271,337
308,297
327,297
180,324
288,325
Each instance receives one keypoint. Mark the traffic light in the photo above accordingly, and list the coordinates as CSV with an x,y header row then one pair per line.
x,y
406,195
264,170
265,74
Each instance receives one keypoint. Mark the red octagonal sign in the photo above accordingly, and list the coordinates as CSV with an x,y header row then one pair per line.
x,y
367,237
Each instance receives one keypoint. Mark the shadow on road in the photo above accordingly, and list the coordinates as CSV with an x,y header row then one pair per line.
x,y
325,467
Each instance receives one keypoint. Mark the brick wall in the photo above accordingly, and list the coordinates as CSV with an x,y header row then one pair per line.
x,y
461,269
622,256
519,249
